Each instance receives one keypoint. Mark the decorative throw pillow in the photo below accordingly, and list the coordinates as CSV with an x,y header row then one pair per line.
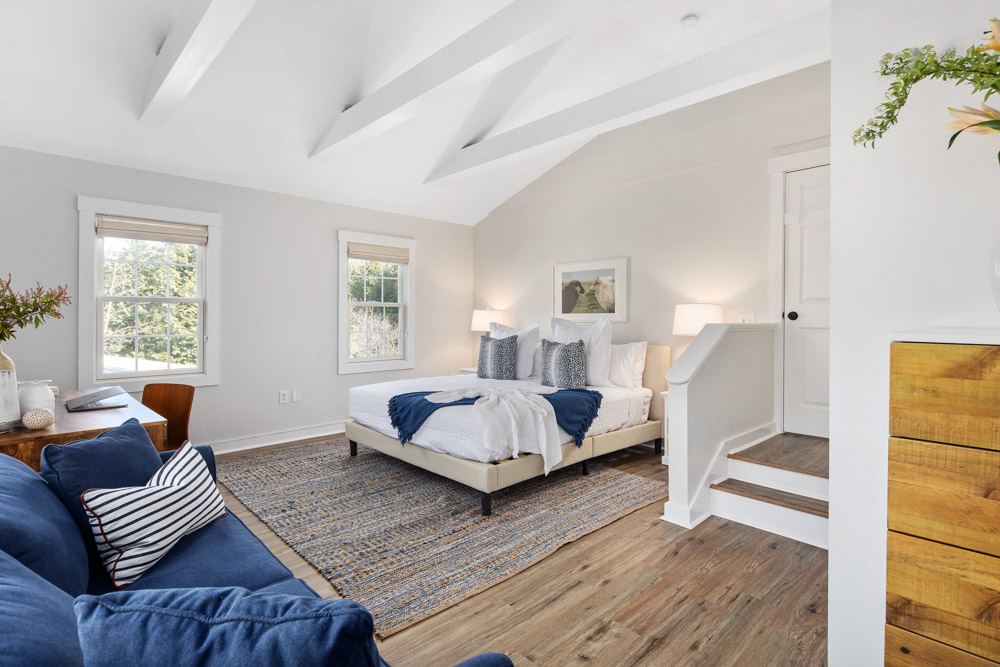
x,y
564,365
628,361
497,358
527,339
597,339
223,627
134,527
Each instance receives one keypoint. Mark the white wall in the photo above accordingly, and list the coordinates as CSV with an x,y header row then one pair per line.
x,y
279,287
684,195
912,228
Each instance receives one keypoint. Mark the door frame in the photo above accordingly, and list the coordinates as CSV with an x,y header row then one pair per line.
x,y
778,167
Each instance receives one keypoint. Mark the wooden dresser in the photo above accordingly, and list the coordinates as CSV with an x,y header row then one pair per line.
x,y
943,560
27,445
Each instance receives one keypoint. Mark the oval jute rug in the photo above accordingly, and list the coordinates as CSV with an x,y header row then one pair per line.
x,y
406,543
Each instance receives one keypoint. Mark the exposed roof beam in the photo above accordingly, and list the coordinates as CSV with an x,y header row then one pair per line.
x,y
201,31
781,50
515,32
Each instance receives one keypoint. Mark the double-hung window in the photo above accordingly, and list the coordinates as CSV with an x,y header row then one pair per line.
x,y
147,298
375,313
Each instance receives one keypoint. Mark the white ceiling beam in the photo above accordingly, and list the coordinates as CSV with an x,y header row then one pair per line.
x,y
199,34
517,31
792,46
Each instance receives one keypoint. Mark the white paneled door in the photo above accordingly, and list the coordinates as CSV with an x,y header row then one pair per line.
x,y
807,302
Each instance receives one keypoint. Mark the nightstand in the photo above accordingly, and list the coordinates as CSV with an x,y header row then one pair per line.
x,y
469,371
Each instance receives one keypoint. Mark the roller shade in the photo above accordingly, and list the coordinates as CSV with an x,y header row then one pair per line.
x,y
151,230
378,253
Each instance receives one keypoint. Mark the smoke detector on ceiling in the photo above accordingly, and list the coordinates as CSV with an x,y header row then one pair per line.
x,y
689,20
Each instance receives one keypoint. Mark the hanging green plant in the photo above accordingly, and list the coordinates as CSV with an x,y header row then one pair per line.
x,y
978,67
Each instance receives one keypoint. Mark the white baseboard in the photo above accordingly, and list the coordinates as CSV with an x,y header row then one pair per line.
x,y
276,437
789,523
683,516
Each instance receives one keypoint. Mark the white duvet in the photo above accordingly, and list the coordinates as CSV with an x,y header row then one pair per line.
x,y
458,430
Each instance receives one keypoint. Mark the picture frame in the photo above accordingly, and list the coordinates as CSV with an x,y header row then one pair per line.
x,y
576,298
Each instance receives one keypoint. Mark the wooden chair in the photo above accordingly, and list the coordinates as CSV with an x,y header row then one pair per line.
x,y
173,402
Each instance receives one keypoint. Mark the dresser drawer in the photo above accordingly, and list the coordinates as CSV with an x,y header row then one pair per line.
x,y
947,594
946,393
945,493
906,649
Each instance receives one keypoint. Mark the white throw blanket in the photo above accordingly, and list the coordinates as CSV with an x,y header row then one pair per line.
x,y
518,416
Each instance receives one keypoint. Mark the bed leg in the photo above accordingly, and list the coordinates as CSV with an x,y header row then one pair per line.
x,y
586,467
354,447
487,503
658,446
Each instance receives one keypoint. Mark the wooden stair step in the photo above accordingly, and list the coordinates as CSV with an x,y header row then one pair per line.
x,y
804,454
775,497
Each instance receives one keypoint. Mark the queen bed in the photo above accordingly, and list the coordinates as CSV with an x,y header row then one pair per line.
x,y
451,443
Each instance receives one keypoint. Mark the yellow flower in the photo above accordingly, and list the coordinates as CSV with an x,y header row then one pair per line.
x,y
968,116
993,36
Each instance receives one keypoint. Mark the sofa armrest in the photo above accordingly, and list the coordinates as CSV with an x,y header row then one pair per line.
x,y
487,660
206,453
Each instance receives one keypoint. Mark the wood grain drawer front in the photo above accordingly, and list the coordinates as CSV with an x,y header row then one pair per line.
x,y
906,649
944,593
945,493
946,393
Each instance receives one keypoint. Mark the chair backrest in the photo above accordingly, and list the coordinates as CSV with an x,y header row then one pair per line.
x,y
173,402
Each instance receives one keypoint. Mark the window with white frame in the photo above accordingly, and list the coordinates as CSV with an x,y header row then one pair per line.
x,y
376,317
148,295
151,302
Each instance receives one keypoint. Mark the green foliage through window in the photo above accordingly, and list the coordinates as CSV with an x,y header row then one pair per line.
x,y
375,306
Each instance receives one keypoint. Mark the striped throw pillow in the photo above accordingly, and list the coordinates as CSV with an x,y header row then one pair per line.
x,y
134,527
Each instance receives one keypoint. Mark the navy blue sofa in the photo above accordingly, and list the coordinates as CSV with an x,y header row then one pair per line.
x,y
45,565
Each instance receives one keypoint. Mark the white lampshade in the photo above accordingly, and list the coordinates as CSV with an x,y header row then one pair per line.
x,y
689,318
481,319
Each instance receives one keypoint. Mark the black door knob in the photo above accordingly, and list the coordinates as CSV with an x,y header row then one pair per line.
x,y
793,315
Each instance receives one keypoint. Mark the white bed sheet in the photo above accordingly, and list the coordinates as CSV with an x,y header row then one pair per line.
x,y
456,430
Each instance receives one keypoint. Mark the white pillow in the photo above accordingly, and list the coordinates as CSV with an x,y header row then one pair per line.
x,y
628,361
597,340
536,365
527,339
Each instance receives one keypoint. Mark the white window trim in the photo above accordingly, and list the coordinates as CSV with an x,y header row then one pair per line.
x,y
346,366
91,266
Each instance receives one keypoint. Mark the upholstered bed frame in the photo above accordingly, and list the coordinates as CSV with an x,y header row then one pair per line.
x,y
489,477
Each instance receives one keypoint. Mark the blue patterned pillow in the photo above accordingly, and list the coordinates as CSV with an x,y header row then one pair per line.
x,y
497,358
564,365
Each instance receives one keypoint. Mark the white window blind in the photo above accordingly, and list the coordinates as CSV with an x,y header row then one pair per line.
x,y
152,230
378,253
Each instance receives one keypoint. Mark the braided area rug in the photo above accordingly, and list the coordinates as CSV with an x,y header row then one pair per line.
x,y
406,543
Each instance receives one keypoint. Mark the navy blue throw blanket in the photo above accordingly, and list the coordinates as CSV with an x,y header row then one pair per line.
x,y
575,411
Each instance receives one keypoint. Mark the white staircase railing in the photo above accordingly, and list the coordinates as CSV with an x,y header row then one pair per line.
x,y
722,398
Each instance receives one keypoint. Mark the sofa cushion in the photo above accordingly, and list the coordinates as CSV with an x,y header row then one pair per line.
x,y
37,623
290,587
135,526
223,553
123,456
38,530
221,627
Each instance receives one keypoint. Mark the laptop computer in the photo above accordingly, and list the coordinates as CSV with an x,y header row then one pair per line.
x,y
101,399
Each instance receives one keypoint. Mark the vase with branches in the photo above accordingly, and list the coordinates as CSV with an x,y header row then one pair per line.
x,y
19,310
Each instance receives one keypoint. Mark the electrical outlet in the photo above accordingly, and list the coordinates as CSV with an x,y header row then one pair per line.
x,y
283,396
296,395
747,318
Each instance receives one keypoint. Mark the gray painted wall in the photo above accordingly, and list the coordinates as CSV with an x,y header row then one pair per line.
x,y
279,287
686,196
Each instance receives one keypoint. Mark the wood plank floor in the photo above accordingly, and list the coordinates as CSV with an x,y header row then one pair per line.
x,y
637,592
791,451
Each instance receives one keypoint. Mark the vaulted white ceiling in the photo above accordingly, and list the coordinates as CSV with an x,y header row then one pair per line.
x,y
434,108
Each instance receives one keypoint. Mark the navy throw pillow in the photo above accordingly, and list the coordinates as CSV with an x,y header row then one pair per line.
x,y
38,530
123,456
37,623
497,358
564,364
223,627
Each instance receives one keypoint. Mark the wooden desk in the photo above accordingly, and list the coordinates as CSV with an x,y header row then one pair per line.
x,y
26,445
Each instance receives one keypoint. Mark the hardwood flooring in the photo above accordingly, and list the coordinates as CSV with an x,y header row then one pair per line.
x,y
791,451
639,591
